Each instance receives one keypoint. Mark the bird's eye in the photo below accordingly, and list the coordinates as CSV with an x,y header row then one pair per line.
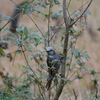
x,y
51,50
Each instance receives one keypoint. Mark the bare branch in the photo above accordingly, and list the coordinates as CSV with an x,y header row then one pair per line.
x,y
38,82
82,13
48,25
59,91
75,94
10,20
31,20
36,25
68,4
63,22
96,94
79,8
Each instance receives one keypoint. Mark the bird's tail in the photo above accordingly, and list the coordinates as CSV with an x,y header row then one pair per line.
x,y
48,85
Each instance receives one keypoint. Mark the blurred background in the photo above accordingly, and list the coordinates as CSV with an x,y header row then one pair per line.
x,y
89,41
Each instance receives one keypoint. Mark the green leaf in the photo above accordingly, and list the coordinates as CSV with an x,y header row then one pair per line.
x,y
32,45
83,24
98,29
62,38
68,64
86,56
16,8
33,75
9,37
32,29
27,8
25,33
36,41
73,30
93,72
42,5
41,41
51,5
10,76
26,69
69,81
51,13
19,30
46,15
63,79
36,33
7,30
39,51
0,28
0,15
2,52
56,2
79,76
88,12
68,58
5,41
57,15
80,63
45,77
84,68
76,55
95,81
38,10
60,10
29,50
7,18
18,51
74,14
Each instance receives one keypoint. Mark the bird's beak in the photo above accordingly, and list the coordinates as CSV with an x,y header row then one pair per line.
x,y
47,51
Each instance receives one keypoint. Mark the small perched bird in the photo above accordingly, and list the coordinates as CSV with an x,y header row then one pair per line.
x,y
54,63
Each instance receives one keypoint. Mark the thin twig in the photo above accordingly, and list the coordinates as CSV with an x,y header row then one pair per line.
x,y
96,95
71,76
67,10
12,16
55,32
79,8
48,25
27,61
82,13
61,85
31,69
68,4
36,25
41,92
32,21
71,57
63,21
75,94
10,20
14,57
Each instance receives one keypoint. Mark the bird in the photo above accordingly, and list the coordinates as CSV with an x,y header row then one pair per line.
x,y
53,63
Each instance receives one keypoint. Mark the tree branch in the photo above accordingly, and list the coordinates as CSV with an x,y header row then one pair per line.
x,y
62,82
75,94
63,21
10,20
59,91
27,15
82,13
48,25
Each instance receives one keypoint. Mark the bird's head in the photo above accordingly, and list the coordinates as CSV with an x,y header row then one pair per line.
x,y
50,50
